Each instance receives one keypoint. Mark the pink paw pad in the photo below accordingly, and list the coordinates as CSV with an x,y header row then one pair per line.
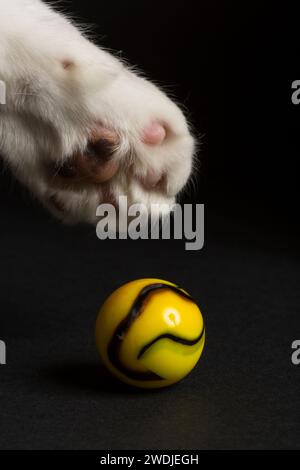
x,y
154,134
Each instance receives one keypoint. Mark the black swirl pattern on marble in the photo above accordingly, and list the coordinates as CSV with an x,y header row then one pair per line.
x,y
176,339
114,345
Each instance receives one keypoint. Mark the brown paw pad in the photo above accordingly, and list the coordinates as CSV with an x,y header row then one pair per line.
x,y
94,166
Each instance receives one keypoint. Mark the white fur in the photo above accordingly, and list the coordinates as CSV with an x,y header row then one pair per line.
x,y
50,110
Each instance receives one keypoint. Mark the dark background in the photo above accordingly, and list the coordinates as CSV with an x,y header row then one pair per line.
x,y
231,65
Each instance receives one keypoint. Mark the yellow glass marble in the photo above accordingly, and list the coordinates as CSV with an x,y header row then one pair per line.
x,y
150,333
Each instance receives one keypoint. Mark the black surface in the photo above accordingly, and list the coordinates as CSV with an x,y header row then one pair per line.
x,y
54,394
232,66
